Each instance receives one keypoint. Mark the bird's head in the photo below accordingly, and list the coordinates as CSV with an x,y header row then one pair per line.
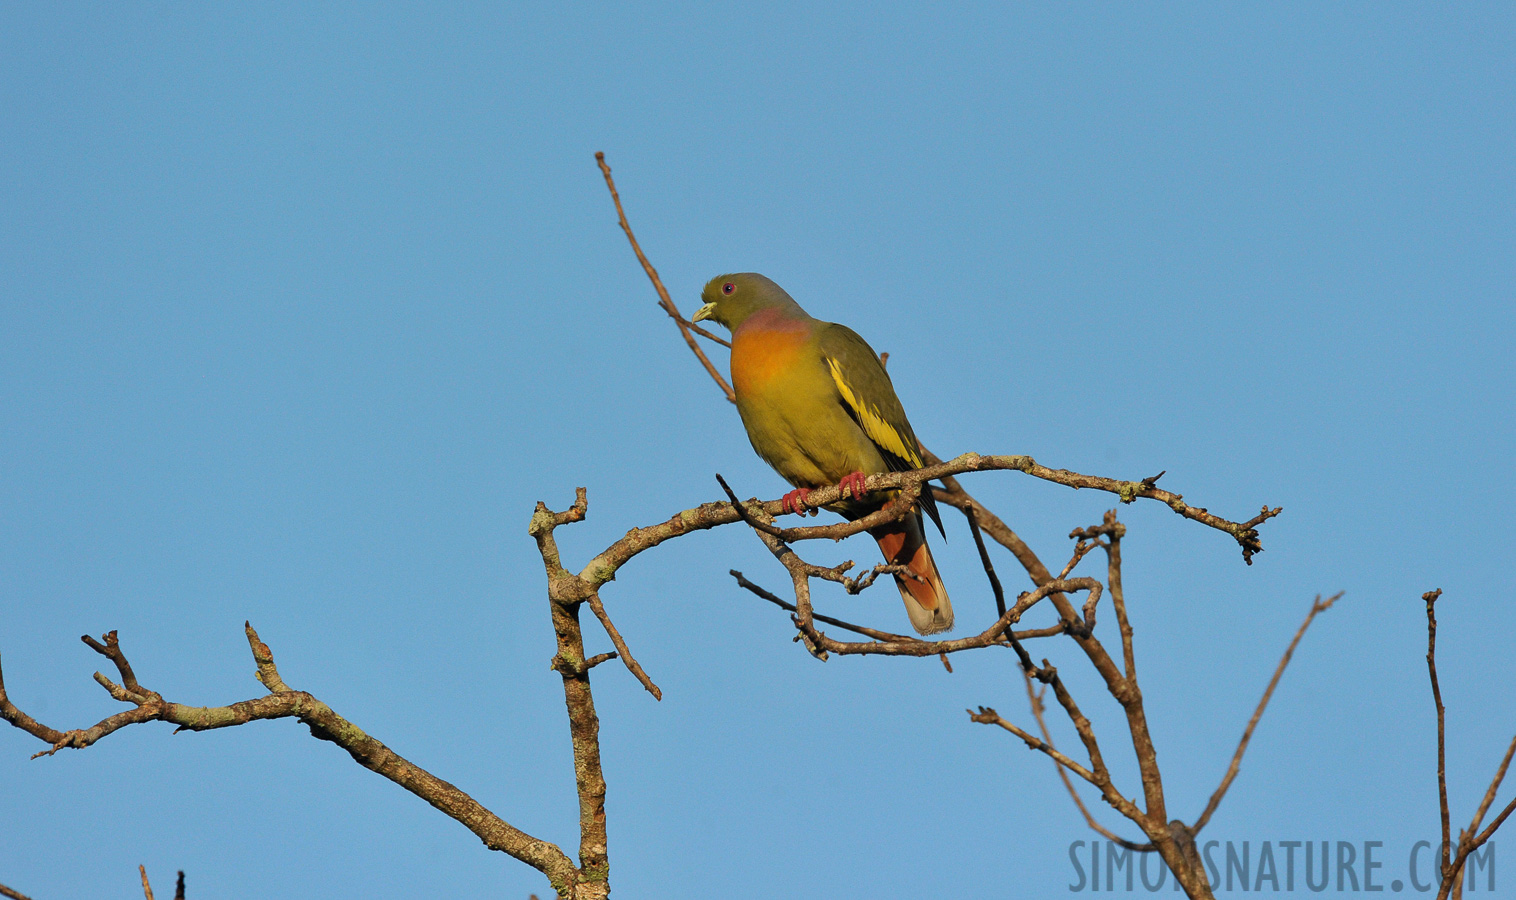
x,y
731,299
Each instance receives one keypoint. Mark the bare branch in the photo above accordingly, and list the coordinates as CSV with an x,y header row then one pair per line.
x,y
603,567
626,655
874,633
1034,700
566,593
1489,794
1317,606
896,508
147,889
685,327
988,716
1489,832
1469,839
1245,533
12,893
1442,763
599,658
801,572
10,713
111,650
984,560
326,725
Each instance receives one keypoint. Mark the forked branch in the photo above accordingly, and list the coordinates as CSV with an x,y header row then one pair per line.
x,y
1455,856
325,724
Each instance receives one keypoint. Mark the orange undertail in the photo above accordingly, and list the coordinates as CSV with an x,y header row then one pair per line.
x,y
926,599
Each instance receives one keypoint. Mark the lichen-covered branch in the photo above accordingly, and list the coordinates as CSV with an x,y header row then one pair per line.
x,y
324,724
566,593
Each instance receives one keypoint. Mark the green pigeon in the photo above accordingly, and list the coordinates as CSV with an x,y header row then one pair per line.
x,y
819,408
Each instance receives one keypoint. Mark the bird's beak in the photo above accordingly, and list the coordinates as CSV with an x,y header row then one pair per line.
x,y
703,312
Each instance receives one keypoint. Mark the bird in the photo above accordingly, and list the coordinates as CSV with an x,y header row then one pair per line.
x,y
820,409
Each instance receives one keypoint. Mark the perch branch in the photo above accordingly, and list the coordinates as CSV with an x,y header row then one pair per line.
x,y
603,567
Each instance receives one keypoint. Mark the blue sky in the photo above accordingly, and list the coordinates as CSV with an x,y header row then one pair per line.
x,y
302,309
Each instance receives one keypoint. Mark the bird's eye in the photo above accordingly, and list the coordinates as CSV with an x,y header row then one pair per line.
x,y
728,288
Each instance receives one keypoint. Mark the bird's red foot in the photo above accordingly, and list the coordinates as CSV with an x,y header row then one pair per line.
x,y
795,501
854,483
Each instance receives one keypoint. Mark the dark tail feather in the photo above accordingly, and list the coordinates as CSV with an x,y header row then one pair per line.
x,y
926,599
929,505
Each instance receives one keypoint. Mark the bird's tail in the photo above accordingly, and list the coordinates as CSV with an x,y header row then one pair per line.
x,y
926,600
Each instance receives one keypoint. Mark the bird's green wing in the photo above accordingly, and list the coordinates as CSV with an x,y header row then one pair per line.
x,y
865,391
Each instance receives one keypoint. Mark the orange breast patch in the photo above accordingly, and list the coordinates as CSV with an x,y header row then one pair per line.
x,y
759,356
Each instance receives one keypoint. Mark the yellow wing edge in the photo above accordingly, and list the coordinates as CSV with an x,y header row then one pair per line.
x,y
878,429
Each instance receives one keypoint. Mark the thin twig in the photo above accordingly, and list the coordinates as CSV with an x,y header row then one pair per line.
x,y
111,649
1113,531
1494,826
685,328
1453,860
1245,533
626,655
1442,771
801,572
984,560
1034,699
12,893
783,604
147,889
1317,606
603,567
874,633
988,716
1489,794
